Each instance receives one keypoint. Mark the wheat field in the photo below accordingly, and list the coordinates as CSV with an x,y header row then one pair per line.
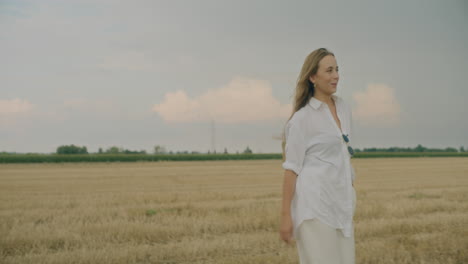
x,y
409,210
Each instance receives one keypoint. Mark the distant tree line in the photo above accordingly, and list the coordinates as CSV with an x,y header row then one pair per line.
x,y
119,150
72,149
418,148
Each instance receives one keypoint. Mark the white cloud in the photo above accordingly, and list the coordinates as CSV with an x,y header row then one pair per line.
x,y
15,106
14,113
241,100
377,106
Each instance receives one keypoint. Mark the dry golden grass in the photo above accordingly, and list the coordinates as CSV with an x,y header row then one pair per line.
x,y
409,210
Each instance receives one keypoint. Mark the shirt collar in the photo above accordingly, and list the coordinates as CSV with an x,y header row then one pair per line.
x,y
316,103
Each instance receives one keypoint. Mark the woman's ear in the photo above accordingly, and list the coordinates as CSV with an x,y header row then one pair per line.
x,y
312,79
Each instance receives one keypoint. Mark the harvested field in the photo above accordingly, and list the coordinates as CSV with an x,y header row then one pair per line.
x,y
409,210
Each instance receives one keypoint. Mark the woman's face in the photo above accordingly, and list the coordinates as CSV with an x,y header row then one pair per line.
x,y
326,78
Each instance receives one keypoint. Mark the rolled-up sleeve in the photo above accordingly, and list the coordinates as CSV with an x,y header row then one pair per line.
x,y
295,148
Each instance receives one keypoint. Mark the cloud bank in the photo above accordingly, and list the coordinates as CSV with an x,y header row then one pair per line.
x,y
15,106
377,106
13,112
241,100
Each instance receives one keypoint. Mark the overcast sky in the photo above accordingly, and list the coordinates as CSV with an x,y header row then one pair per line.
x,y
137,74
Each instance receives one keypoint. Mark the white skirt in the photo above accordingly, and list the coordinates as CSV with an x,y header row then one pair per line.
x,y
319,243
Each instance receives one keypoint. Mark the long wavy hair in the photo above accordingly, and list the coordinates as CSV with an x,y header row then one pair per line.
x,y
304,87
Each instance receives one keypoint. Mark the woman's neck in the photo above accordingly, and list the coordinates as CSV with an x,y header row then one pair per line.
x,y
328,99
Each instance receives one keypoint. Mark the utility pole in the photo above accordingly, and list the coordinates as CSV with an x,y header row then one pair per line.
x,y
213,133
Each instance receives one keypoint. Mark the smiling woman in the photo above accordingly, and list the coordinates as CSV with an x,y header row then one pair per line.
x,y
318,193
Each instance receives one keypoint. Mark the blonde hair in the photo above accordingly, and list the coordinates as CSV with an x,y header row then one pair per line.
x,y
304,87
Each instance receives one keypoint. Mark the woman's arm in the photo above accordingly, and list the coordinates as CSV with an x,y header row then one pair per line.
x,y
289,187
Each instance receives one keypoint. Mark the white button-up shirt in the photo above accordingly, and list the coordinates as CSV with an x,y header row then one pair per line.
x,y
316,151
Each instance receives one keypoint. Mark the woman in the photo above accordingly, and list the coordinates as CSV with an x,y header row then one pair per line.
x,y
318,192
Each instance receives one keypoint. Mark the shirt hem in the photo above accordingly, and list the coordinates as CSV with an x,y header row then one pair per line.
x,y
345,231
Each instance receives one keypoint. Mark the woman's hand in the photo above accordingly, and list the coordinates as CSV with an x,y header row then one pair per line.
x,y
289,187
286,229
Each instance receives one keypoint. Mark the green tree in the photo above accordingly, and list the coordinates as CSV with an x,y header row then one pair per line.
x,y
114,150
450,149
247,150
420,148
159,149
71,149
127,151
